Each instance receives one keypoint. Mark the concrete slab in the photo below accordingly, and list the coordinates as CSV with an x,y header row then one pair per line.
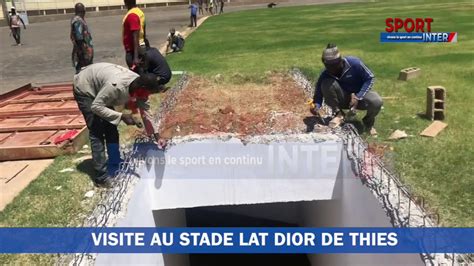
x,y
327,195
17,175
212,172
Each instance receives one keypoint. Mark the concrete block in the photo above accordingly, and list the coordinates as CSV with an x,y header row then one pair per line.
x,y
409,73
435,102
433,129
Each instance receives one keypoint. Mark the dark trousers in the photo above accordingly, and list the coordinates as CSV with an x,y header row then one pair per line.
x,y
102,134
222,8
177,44
82,61
16,32
193,21
141,56
338,99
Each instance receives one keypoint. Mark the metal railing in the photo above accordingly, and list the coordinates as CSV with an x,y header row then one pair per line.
x,y
403,208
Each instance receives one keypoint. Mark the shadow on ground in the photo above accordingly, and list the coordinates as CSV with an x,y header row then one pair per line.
x,y
87,168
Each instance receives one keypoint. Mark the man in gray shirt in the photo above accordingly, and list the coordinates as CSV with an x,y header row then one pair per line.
x,y
97,89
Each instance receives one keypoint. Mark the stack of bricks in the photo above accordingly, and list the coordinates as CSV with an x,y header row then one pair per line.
x,y
435,102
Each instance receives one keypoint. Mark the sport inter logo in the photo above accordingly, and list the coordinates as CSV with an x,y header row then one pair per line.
x,y
416,30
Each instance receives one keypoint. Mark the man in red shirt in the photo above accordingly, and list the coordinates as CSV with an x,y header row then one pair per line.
x,y
134,32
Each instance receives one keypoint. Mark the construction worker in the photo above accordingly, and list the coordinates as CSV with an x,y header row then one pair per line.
x,y
154,63
346,83
175,41
99,87
83,49
15,23
133,33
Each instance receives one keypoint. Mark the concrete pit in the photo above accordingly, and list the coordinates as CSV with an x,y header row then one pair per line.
x,y
249,176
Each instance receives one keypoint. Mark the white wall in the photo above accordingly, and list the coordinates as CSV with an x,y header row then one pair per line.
x,y
31,5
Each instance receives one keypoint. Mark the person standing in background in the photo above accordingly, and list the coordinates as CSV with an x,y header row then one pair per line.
x,y
222,7
194,10
201,12
133,34
211,6
15,23
83,50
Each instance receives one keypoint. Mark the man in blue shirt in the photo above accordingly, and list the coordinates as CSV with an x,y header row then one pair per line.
x,y
194,11
346,83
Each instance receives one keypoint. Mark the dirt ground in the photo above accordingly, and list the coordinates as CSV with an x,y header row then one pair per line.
x,y
276,106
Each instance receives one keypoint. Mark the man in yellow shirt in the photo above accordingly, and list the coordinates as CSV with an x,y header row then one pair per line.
x,y
133,33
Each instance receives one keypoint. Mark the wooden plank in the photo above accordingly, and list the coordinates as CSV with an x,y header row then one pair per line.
x,y
16,93
32,116
52,99
5,136
51,90
62,111
30,152
433,129
40,128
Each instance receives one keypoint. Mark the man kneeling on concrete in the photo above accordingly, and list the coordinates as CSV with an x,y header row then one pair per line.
x,y
99,87
346,83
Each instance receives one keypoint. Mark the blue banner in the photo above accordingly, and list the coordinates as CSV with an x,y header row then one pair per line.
x,y
237,240
388,37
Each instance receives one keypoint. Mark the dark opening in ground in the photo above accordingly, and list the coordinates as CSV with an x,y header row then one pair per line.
x,y
199,217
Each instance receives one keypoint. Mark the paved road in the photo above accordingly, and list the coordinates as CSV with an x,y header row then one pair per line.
x,y
45,55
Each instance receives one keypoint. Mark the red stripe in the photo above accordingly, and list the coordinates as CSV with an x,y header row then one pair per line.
x,y
451,36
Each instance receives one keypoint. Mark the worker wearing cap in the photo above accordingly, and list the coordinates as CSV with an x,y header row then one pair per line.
x,y
175,41
346,83
99,87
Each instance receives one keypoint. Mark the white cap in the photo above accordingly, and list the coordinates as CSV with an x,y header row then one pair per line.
x,y
331,54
